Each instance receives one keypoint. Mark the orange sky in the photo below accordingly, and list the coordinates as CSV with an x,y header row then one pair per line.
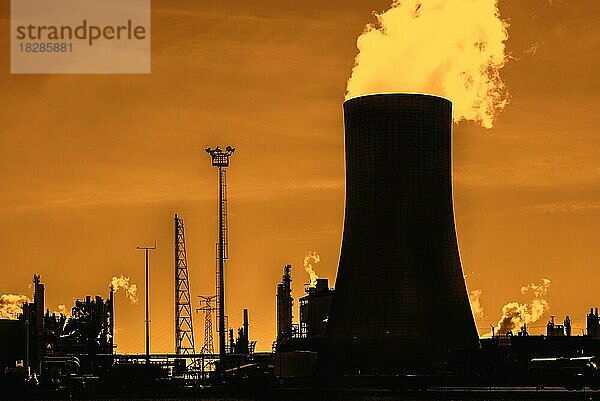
x,y
93,165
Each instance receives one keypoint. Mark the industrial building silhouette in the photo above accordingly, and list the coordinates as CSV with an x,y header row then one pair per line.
x,y
398,318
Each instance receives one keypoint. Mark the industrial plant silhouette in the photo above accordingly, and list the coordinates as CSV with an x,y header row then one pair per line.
x,y
399,281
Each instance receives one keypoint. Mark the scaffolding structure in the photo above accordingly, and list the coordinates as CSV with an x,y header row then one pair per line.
x,y
184,328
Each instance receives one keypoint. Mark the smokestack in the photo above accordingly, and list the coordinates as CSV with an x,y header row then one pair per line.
x,y
38,299
231,342
400,277
246,324
284,306
111,306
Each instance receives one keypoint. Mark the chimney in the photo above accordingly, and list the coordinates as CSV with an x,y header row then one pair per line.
x,y
246,324
231,342
567,324
284,306
38,299
111,300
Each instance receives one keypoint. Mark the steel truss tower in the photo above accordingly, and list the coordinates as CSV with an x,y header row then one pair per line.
x,y
220,159
184,329
207,306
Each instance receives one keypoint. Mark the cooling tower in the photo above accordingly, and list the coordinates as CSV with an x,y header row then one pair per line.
x,y
400,299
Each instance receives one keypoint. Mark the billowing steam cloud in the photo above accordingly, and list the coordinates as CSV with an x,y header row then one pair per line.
x,y
310,261
118,283
449,48
474,299
11,305
514,314
62,309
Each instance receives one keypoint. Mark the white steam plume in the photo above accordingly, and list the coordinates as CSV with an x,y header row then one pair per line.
x,y
118,283
62,309
310,261
449,48
474,299
11,305
515,314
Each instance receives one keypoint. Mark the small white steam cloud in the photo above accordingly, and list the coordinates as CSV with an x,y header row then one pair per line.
x,y
515,314
62,309
11,305
310,261
474,299
118,283
532,51
449,48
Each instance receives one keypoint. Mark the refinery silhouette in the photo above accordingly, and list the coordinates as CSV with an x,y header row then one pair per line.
x,y
397,324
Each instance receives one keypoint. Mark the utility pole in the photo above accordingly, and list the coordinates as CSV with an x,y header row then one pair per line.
x,y
220,159
146,249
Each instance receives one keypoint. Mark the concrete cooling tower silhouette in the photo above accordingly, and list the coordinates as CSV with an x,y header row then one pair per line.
x,y
400,300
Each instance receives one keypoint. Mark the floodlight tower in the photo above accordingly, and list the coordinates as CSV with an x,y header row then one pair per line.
x,y
220,159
